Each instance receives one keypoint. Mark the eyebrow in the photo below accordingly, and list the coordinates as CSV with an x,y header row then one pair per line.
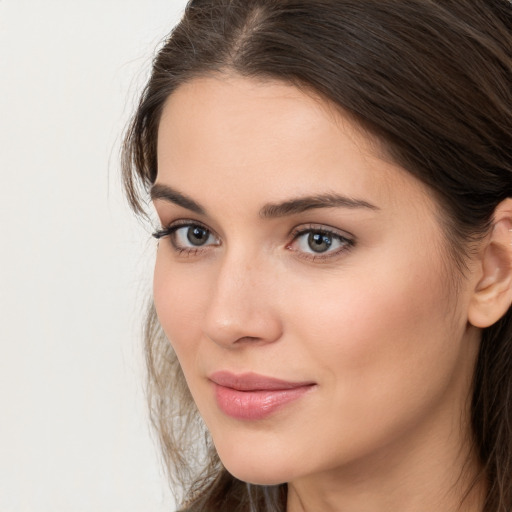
x,y
302,204
159,191
271,210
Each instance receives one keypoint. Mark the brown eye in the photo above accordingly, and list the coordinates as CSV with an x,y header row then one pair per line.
x,y
319,242
191,237
197,235
313,243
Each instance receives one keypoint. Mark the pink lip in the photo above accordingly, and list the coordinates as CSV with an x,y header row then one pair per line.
x,y
250,396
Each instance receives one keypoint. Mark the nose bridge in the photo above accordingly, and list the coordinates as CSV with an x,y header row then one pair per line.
x,y
241,307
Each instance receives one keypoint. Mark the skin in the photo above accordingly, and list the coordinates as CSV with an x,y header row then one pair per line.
x,y
378,326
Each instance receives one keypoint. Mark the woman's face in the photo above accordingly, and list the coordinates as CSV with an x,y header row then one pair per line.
x,y
304,284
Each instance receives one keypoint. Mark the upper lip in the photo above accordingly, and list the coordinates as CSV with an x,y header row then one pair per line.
x,y
253,382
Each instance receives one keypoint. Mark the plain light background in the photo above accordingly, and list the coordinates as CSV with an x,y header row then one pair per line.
x,y
75,265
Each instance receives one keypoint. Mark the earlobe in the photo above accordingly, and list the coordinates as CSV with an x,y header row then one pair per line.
x,y
492,295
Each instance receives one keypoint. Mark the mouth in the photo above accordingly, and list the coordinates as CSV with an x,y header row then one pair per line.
x,y
250,396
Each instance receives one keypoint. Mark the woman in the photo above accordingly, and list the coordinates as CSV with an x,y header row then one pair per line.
x,y
334,269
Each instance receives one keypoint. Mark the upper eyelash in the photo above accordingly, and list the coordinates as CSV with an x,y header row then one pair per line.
x,y
349,241
169,230
160,233
347,238
295,232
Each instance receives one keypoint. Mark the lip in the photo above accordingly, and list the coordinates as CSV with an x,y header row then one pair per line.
x,y
250,396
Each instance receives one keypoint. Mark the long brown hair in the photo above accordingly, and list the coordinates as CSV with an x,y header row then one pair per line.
x,y
432,80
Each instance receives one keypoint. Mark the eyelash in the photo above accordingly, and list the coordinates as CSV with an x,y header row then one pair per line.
x,y
347,242
169,231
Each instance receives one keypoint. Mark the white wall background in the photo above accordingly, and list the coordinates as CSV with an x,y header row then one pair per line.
x,y
74,263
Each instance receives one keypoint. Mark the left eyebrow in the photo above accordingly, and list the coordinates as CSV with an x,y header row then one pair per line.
x,y
302,204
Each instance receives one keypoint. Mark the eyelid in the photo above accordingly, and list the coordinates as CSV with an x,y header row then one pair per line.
x,y
184,250
348,241
170,228
323,228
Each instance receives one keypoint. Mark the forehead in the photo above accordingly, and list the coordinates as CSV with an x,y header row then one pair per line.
x,y
236,135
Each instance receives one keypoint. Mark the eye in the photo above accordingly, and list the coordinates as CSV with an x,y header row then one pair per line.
x,y
188,237
196,236
316,242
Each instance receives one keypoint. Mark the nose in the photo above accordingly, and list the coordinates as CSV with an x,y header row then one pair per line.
x,y
243,307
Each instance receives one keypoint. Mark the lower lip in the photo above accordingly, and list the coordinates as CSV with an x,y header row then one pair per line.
x,y
256,405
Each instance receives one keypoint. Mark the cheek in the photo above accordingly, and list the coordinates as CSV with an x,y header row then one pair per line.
x,y
180,302
385,352
381,332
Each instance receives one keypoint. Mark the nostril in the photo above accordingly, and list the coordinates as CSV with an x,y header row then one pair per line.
x,y
248,339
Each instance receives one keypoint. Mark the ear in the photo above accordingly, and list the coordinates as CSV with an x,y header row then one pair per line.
x,y
492,294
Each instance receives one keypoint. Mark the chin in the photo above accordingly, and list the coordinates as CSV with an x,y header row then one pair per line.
x,y
257,476
259,468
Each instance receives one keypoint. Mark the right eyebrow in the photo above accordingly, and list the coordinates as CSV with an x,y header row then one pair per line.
x,y
159,191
